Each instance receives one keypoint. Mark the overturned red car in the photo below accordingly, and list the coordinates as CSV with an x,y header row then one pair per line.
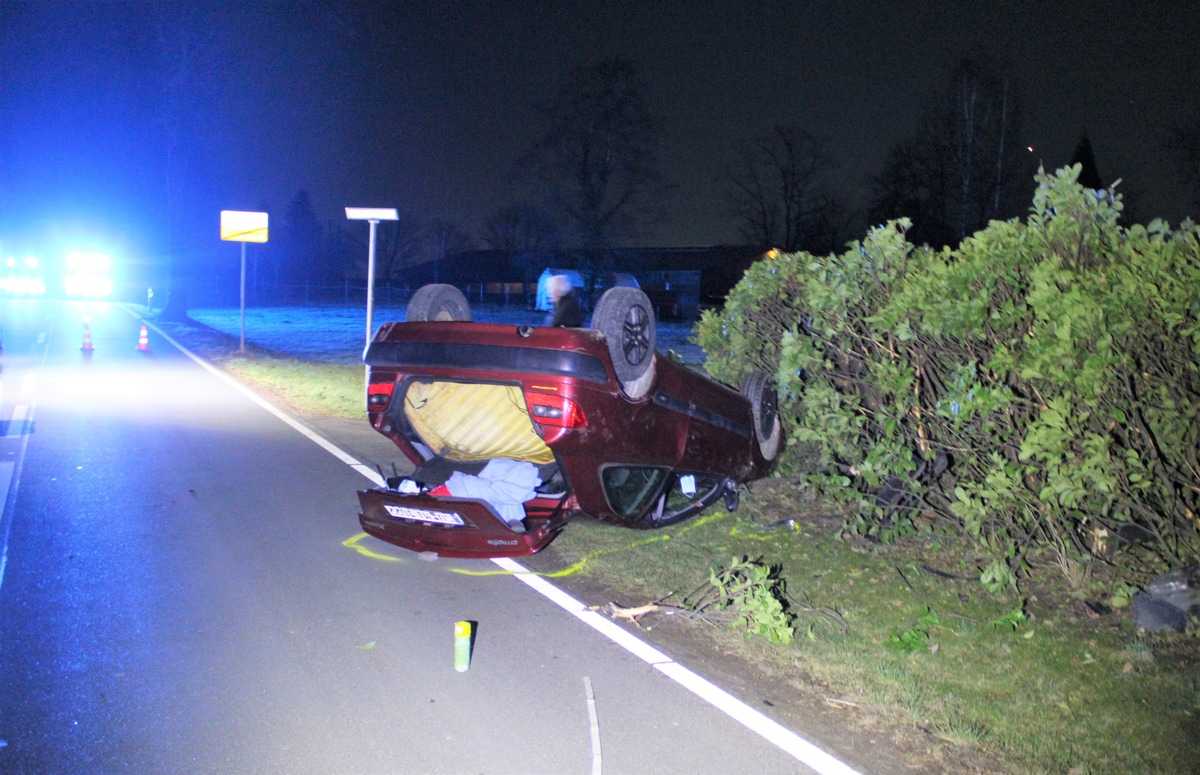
x,y
513,430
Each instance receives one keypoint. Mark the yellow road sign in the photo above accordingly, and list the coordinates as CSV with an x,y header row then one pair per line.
x,y
243,226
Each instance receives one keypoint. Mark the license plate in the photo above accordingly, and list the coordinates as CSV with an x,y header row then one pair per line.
x,y
423,515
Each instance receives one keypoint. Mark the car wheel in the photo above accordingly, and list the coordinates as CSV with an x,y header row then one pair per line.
x,y
438,303
626,319
760,389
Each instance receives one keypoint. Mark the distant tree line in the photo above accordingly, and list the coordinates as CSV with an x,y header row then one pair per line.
x,y
593,180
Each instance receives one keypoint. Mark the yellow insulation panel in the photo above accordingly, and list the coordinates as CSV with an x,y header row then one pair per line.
x,y
464,421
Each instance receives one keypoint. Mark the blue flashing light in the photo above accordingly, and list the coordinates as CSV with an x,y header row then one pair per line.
x,y
20,278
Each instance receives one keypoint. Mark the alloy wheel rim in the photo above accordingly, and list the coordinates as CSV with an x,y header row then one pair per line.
x,y
634,341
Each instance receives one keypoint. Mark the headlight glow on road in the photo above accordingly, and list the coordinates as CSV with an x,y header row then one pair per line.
x,y
87,286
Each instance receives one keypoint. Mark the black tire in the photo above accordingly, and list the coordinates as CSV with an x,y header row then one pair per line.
x,y
764,405
438,303
626,319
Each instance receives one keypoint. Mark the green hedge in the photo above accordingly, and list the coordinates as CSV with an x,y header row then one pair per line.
x,y
1053,363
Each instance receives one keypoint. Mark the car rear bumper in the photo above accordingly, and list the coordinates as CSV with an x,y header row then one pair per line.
x,y
451,527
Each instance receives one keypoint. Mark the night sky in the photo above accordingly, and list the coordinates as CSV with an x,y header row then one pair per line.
x,y
425,106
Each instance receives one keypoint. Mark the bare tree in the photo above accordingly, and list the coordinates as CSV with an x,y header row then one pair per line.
x,y
597,159
448,238
966,166
779,191
520,226
912,185
400,244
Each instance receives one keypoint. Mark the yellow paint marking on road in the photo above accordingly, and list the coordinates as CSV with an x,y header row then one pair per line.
x,y
579,564
575,568
353,544
572,569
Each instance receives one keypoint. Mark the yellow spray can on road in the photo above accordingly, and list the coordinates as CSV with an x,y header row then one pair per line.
x,y
462,646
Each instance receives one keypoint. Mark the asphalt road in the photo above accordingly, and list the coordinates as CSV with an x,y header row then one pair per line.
x,y
176,596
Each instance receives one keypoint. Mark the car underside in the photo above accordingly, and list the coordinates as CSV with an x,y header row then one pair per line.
x,y
512,430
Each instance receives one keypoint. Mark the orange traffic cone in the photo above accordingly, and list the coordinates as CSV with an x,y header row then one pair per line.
x,y
143,341
87,339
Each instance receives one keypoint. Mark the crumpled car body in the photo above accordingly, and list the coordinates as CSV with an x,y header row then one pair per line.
x,y
643,445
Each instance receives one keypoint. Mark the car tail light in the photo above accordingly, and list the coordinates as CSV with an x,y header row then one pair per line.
x,y
379,395
555,410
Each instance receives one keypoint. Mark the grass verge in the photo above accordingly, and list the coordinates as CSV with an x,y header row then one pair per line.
x,y
1029,685
900,633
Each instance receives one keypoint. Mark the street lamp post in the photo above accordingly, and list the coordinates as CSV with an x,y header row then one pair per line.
x,y
372,215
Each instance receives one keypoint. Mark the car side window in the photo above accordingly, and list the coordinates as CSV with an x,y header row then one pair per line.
x,y
691,493
633,490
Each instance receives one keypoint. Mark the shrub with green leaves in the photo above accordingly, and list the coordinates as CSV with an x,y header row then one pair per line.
x,y
748,595
1053,362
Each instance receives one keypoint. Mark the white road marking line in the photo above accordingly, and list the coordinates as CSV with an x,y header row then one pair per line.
x,y
10,478
18,421
41,338
6,476
597,758
27,383
782,737
311,435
